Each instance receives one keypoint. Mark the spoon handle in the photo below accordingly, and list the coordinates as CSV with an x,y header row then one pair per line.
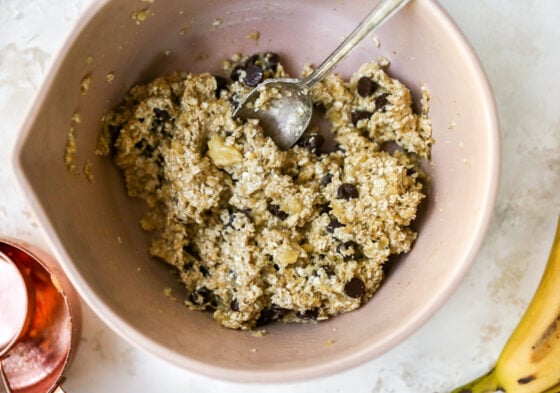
x,y
375,18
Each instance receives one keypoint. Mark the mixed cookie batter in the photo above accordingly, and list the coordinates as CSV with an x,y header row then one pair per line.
x,y
259,234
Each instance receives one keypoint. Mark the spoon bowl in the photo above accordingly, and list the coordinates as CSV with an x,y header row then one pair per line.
x,y
282,106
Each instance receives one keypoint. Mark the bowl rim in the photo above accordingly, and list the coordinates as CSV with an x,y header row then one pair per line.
x,y
131,335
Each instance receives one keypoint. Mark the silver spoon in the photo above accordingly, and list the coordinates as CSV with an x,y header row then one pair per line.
x,y
287,111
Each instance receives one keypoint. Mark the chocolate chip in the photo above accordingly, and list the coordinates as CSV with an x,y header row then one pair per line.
x,y
333,224
327,178
276,212
187,266
253,76
166,133
162,114
324,208
355,288
346,246
200,296
349,250
246,211
231,219
190,251
234,100
265,317
311,142
234,305
311,314
271,314
252,60
320,107
114,131
272,60
221,84
203,270
347,191
147,150
278,311
160,177
360,115
265,61
236,72
381,102
366,87
328,270
233,213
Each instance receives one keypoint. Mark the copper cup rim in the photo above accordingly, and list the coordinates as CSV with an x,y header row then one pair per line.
x,y
63,287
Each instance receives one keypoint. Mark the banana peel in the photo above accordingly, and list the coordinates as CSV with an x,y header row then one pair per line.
x,y
530,359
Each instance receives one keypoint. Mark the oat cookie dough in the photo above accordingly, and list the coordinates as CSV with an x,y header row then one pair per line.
x,y
259,234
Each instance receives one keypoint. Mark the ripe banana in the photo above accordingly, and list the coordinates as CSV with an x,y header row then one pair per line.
x,y
530,360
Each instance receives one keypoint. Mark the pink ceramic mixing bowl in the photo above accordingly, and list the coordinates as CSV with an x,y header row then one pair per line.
x,y
93,226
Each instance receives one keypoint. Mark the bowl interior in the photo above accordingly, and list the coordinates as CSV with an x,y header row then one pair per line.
x,y
93,225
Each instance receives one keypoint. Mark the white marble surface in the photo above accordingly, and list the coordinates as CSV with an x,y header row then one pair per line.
x,y
517,42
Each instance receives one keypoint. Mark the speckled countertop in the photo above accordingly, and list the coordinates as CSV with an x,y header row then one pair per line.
x,y
517,42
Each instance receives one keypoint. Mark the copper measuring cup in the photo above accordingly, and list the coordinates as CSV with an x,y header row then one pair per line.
x,y
41,320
